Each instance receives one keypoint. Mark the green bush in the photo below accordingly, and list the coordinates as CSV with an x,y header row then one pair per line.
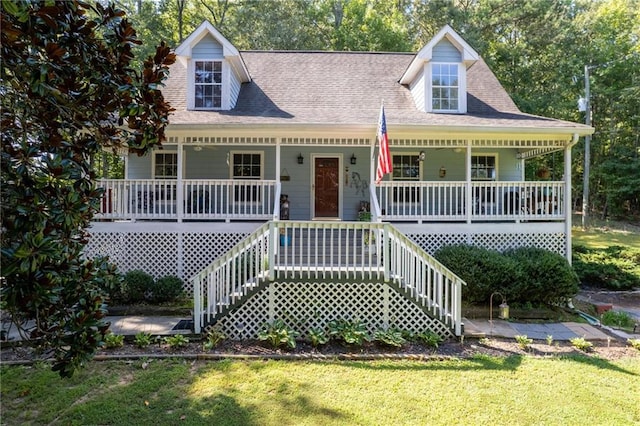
x,y
618,319
615,267
484,271
135,285
167,289
544,277
524,275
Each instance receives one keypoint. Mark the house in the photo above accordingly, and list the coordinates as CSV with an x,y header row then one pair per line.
x,y
256,198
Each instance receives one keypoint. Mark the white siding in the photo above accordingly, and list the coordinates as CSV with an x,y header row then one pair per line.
x,y
444,51
418,91
207,48
234,89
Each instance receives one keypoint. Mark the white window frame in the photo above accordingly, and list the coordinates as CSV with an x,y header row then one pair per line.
x,y
213,84
462,89
418,198
154,162
485,176
259,197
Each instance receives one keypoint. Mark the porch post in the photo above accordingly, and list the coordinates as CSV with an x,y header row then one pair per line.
x,y
278,159
179,188
469,200
567,198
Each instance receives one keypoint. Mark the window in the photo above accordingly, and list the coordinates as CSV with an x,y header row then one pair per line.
x,y
208,84
165,165
246,166
444,87
406,167
483,167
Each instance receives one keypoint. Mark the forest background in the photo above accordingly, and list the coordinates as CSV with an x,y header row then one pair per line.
x,y
538,49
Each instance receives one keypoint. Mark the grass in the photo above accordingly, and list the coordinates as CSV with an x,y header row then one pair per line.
x,y
603,234
514,390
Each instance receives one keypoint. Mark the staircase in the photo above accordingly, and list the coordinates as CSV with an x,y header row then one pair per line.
x,y
317,253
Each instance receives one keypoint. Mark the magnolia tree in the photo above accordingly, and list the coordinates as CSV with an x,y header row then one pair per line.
x,y
68,90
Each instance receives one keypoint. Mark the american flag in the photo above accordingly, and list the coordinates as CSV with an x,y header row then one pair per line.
x,y
384,158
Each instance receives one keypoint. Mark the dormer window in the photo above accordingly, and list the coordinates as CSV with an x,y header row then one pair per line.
x,y
445,87
208,84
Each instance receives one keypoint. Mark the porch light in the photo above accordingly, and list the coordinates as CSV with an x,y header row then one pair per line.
x,y
300,159
197,148
422,156
353,159
443,172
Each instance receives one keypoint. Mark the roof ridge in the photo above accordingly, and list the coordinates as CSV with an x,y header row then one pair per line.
x,y
351,52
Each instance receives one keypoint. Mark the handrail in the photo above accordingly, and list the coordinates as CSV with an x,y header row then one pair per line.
x,y
425,278
230,277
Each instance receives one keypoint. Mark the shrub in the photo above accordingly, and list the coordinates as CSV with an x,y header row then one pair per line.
x,y
635,343
142,339
176,341
618,319
581,343
430,339
167,289
349,332
389,337
135,285
113,340
545,277
214,338
523,341
616,268
318,337
278,334
484,271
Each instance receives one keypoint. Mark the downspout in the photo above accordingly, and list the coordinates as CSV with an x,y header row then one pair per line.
x,y
567,195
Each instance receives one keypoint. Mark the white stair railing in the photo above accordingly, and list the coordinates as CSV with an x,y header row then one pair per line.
x,y
231,277
328,250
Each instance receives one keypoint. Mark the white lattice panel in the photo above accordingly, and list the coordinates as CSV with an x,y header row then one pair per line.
x,y
550,241
307,305
162,253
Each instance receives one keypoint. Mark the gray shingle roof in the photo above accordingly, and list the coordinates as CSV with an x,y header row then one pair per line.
x,y
347,88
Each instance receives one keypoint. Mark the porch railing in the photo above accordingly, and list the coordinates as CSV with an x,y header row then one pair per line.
x,y
448,201
328,250
201,199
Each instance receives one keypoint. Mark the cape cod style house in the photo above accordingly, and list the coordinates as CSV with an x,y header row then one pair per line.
x,y
263,198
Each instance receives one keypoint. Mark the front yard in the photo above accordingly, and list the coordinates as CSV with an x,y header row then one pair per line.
x,y
517,389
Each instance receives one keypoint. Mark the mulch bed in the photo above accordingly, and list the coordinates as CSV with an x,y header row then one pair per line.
x,y
496,347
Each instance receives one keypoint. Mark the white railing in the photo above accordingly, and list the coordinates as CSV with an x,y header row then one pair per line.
x,y
423,278
202,199
328,250
447,201
230,277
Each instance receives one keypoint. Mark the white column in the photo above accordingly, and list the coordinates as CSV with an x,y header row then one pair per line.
x,y
567,199
469,201
179,188
278,159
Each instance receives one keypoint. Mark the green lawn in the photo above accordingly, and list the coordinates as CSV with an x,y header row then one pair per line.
x,y
598,238
513,390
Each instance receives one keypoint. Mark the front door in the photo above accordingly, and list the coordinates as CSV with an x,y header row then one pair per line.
x,y
326,187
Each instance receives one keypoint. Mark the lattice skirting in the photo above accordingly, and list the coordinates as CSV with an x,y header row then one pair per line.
x,y
431,243
184,254
307,305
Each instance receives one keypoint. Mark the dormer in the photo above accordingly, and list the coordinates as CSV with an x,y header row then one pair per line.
x,y
437,76
215,70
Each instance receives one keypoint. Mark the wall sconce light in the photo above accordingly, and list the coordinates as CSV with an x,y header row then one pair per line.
x,y
353,159
443,172
300,159
422,156
197,148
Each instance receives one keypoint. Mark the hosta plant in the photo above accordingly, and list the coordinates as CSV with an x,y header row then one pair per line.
x,y
318,337
389,337
349,332
430,339
581,343
176,341
523,341
142,339
214,338
113,340
278,334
